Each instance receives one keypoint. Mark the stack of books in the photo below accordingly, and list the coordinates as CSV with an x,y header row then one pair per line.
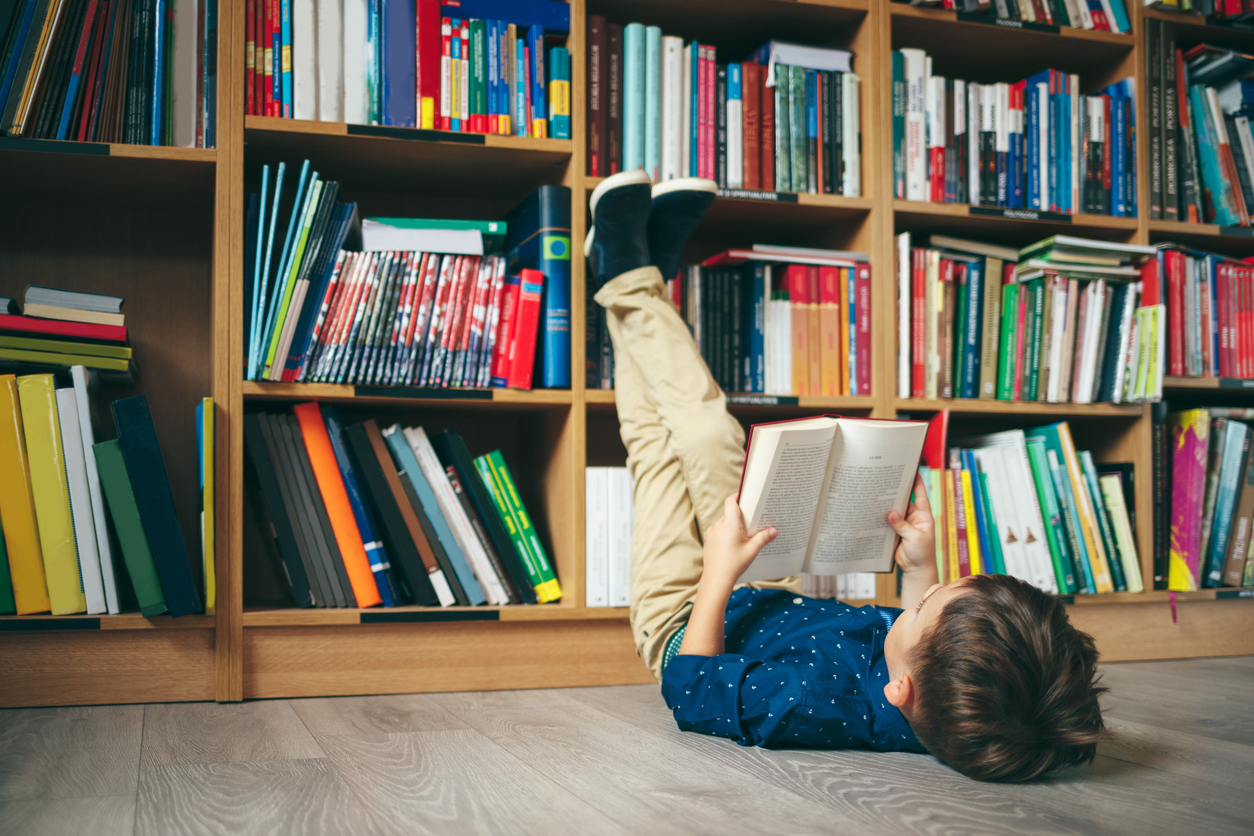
x,y
1211,486
1036,144
786,119
363,517
1103,16
1200,142
608,515
1062,320
68,501
1210,313
769,320
1027,503
458,67
63,328
142,72
1221,11
854,586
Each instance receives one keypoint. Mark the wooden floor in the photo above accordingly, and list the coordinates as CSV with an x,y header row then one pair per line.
x,y
600,760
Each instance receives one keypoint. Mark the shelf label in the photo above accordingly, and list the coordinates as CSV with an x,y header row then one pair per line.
x,y
1067,599
415,134
751,194
54,146
993,20
1237,231
26,625
415,393
1236,383
761,400
1020,214
1225,594
427,616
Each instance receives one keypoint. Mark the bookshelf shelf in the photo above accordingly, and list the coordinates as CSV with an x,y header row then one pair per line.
x,y
120,621
1066,45
1213,383
261,390
739,402
976,406
1201,28
120,172
426,615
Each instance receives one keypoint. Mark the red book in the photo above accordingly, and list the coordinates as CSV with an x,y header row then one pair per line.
x,y
862,283
1151,282
94,60
472,123
427,54
918,315
614,98
75,331
594,72
250,59
703,115
766,132
1174,268
273,22
1223,279
522,353
814,344
710,93
751,98
1245,364
505,331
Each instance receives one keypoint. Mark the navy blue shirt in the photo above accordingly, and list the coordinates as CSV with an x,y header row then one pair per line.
x,y
795,670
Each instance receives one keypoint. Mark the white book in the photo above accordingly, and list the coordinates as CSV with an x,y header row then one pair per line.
x,y
960,125
1057,327
975,93
809,57
184,69
653,102
454,514
80,502
304,60
620,522
852,140
1001,128
673,104
904,299
382,237
1076,146
1020,487
914,62
330,22
596,578
989,461
827,485
735,128
357,59
783,347
1042,122
84,388
1126,331
685,133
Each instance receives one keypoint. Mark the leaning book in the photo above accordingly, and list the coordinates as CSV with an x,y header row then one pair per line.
x,y
827,484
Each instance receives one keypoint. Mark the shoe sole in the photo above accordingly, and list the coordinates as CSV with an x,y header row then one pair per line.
x,y
622,178
685,184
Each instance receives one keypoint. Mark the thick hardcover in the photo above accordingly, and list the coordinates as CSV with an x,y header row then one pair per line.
x,y
288,431
280,524
1189,433
116,486
596,100
297,511
539,239
17,507
397,63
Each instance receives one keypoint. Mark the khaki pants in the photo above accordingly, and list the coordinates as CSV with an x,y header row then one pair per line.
x,y
684,451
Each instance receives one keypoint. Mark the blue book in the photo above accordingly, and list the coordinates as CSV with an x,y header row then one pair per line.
x,y
550,15
261,278
252,221
285,66
693,50
494,75
298,205
996,562
634,58
653,102
851,373
1031,105
157,118
17,45
759,295
398,64
1118,159
1231,461
521,128
559,71
539,112
1208,154
366,525
539,238
970,365
321,270
1071,519
812,134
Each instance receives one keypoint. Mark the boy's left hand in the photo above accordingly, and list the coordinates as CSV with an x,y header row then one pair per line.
x,y
729,548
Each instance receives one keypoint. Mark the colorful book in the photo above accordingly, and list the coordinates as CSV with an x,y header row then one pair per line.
x,y
17,507
115,484
1189,433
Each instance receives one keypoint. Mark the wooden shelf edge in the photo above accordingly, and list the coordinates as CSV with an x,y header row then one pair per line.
x,y
274,124
824,201
205,156
1158,596
292,617
963,210
1117,39
1167,227
347,391
1192,19
976,405
1216,383
749,399
120,621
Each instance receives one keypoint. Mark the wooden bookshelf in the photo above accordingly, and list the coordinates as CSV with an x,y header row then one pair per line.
x,y
165,227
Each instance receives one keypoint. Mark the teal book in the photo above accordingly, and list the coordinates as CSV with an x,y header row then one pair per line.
x,y
1105,529
798,144
783,129
899,125
653,102
634,60
115,484
995,556
1055,528
1208,152
1231,461
1071,520
7,605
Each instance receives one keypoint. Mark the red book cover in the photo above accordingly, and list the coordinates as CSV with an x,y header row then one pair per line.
x,y
594,73
1245,326
1235,354
751,96
523,343
473,309
703,114
766,138
79,331
250,59
1151,282
936,173
862,280
454,310
709,100
479,314
427,53
936,441
814,345
1107,145
505,331
274,26
918,314
1223,280
614,97
1174,269
470,123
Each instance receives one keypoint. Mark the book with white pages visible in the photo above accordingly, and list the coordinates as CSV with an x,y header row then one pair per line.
x,y
84,389
827,484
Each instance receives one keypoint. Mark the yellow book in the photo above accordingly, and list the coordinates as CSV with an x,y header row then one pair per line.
x,y
204,426
17,507
973,531
37,395
846,273
951,526
1098,560
937,501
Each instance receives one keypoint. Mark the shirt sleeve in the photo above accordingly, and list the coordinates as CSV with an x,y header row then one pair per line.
x,y
763,703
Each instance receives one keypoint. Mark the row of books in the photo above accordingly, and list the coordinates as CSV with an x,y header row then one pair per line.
x,y
1027,503
1062,320
1210,313
1200,142
1100,15
1212,499
475,66
134,71
55,329
853,586
1036,144
76,510
363,517
1221,11
608,517
786,119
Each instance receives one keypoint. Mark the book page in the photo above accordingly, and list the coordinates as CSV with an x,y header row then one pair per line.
x,y
872,468
784,477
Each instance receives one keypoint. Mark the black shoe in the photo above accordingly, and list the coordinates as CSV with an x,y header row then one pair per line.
x,y
678,207
616,241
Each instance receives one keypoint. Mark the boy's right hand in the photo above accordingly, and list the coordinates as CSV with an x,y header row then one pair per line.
x,y
917,549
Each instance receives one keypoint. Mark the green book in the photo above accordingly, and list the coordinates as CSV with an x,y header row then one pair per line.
x,y
484,468
798,144
996,558
492,232
478,76
116,485
309,208
1105,529
119,352
783,138
1006,351
1032,350
21,355
7,605
539,569
962,272
1055,533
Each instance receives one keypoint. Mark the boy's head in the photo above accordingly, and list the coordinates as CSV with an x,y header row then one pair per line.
x,y
994,679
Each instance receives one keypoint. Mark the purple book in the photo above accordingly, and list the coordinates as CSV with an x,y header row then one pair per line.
x,y
1189,433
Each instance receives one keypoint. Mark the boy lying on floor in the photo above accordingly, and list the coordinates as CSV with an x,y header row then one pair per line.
x,y
985,673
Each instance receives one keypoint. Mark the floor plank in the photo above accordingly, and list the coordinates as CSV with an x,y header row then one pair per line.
x,y
459,782
70,752
107,815
199,732
1180,753
390,713
266,797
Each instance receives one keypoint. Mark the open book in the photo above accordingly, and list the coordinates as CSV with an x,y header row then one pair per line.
x,y
827,484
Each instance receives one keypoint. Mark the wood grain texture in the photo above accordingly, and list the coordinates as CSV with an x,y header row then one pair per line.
x,y
275,797
387,714
107,815
458,782
69,752
213,733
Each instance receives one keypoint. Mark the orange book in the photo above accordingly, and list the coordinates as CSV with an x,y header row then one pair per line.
x,y
798,296
843,281
331,486
814,343
829,328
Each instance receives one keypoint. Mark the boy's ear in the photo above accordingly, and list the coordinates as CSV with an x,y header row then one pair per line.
x,y
900,691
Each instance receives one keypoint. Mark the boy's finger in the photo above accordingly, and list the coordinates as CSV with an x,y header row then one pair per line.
x,y
898,524
920,495
731,512
759,540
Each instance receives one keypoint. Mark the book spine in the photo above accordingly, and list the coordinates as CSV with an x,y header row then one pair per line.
x,y
766,131
543,578
614,99
652,103
595,108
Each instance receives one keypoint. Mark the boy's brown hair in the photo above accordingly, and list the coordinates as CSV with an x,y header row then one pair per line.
x,y
1006,689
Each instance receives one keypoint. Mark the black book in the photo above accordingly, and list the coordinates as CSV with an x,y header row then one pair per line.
x,y
296,513
304,499
25,62
727,326
450,449
1238,156
146,468
735,297
275,518
331,546
1109,367
9,10
1154,84
1126,472
54,77
607,351
825,129
720,127
951,149
591,337
1171,121
437,548
837,127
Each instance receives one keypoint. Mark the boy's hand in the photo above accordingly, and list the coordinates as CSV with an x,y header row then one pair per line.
x,y
729,548
917,549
